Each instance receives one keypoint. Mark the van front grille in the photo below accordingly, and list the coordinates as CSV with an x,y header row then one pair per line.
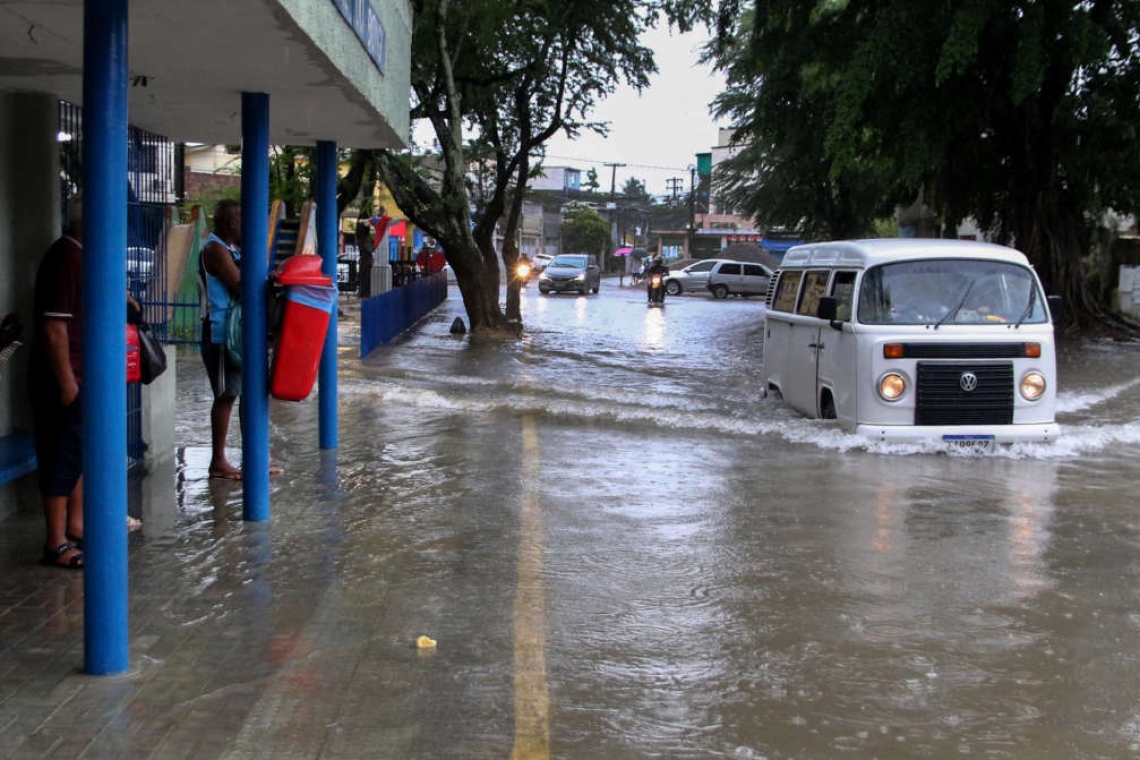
x,y
943,400
963,350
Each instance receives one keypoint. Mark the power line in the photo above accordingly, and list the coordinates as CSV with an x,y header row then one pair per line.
x,y
605,163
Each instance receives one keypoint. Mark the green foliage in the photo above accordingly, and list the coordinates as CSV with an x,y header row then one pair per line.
x,y
292,175
591,184
585,231
634,189
1019,114
496,80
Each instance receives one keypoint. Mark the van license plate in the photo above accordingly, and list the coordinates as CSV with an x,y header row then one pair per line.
x,y
969,442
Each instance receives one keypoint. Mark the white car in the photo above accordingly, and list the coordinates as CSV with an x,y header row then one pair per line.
x,y
691,277
540,261
739,278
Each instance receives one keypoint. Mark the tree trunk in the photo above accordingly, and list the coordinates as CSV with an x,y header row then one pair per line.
x,y
444,216
1052,233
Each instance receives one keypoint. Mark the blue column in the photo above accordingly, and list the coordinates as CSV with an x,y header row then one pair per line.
x,y
104,327
327,246
254,269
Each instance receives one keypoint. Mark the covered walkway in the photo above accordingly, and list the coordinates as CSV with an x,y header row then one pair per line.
x,y
259,72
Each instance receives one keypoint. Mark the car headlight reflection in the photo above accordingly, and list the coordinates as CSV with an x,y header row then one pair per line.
x,y
892,386
1033,386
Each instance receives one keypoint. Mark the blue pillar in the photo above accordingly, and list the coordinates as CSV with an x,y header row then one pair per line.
x,y
327,245
254,269
104,327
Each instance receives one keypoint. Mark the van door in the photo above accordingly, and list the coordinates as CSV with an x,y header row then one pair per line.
x,y
777,332
805,343
838,368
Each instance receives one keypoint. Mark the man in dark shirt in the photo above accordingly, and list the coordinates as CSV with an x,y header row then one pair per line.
x,y
55,388
364,247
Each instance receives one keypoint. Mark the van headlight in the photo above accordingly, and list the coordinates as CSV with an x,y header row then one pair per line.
x,y
580,278
1032,386
892,386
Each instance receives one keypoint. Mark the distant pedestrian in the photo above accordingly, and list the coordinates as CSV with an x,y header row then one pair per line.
x,y
365,246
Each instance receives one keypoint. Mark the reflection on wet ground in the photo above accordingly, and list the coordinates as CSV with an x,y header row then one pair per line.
x,y
623,550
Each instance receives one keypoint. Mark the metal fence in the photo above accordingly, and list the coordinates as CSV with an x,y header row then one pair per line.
x,y
150,201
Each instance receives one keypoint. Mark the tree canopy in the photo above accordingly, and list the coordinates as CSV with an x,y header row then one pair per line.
x,y
585,231
1021,115
495,81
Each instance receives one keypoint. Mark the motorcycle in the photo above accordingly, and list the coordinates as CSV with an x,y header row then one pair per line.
x,y
657,290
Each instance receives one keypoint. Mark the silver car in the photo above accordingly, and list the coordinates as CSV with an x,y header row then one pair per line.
x,y
691,277
571,271
739,278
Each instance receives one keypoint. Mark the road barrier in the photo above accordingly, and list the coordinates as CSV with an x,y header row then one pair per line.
x,y
384,316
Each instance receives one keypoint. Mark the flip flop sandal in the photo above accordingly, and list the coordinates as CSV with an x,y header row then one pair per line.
x,y
76,541
54,557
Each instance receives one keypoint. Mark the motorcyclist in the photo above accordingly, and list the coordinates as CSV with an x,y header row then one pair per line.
x,y
523,268
656,268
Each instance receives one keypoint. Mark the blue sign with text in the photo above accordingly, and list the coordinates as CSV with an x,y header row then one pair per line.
x,y
361,16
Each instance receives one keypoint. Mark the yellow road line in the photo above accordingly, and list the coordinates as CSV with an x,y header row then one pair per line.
x,y
532,703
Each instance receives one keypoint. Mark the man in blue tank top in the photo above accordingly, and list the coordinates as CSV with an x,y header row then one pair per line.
x,y
219,284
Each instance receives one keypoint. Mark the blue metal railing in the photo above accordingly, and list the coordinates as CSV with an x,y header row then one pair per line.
x,y
384,316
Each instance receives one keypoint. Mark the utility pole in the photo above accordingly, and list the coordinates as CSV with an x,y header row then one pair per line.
x,y
675,184
692,208
613,179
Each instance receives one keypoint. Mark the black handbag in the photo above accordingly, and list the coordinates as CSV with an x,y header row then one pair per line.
x,y
152,358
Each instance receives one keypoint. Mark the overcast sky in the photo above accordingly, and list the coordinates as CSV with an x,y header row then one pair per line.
x,y
657,133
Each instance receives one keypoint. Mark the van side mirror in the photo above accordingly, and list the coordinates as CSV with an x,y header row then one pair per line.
x,y
1056,307
827,309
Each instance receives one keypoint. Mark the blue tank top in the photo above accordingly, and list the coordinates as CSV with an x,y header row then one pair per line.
x,y
215,296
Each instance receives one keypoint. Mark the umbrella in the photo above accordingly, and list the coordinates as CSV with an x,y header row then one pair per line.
x,y
639,253
622,251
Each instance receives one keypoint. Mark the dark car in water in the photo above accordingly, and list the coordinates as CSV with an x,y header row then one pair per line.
x,y
571,271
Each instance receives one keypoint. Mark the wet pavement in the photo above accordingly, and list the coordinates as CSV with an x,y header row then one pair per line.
x,y
622,550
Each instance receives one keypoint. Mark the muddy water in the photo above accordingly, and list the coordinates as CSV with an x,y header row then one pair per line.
x,y
642,557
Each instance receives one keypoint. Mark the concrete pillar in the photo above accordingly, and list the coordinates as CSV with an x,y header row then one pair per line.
x,y
254,270
327,245
104,327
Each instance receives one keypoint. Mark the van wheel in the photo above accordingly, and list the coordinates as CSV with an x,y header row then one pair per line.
x,y
720,291
596,289
774,391
827,407
673,288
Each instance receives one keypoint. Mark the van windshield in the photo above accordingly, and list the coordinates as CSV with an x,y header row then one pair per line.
x,y
950,291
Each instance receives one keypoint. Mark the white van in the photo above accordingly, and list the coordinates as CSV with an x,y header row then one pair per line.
x,y
914,340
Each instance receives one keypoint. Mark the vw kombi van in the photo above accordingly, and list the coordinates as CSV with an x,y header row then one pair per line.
x,y
914,340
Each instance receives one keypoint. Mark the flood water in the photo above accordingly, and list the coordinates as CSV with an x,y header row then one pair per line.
x,y
625,551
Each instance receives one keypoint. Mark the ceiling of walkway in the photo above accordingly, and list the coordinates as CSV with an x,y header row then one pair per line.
x,y
189,62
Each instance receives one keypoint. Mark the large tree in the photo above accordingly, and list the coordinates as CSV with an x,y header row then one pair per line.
x,y
495,80
585,231
1021,114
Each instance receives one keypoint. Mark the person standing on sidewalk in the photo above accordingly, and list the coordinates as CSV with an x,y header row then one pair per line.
x,y
219,285
364,244
55,389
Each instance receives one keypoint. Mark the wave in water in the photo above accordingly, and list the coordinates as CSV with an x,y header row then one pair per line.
x,y
678,414
1078,401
